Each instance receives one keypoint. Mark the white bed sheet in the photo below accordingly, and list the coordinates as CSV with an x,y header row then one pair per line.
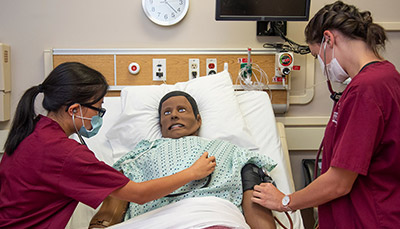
x,y
197,212
260,120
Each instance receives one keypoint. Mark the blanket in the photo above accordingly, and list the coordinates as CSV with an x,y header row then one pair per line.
x,y
196,212
165,156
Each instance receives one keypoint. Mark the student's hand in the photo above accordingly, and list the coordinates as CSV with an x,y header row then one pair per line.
x,y
203,167
268,196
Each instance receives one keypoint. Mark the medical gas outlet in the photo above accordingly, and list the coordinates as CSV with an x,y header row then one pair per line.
x,y
159,69
211,66
245,69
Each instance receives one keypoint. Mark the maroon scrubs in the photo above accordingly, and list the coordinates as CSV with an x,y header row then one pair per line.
x,y
363,136
42,182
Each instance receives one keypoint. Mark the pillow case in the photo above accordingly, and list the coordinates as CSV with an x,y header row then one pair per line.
x,y
218,107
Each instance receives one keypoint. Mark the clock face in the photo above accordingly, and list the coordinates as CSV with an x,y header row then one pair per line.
x,y
165,12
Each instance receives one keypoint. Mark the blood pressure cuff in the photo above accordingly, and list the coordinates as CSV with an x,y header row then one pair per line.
x,y
253,175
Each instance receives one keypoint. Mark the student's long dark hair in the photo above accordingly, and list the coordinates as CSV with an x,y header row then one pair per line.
x,y
349,21
67,84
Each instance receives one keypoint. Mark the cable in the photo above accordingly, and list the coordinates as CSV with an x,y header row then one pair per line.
x,y
265,177
291,47
290,221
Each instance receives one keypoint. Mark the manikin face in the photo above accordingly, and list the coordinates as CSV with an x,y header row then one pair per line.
x,y
177,118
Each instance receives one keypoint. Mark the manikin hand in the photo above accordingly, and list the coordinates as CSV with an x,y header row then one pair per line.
x,y
203,167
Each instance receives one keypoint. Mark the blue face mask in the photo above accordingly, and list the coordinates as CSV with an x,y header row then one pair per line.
x,y
96,122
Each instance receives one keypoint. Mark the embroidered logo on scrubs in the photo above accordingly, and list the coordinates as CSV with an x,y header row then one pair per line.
x,y
334,117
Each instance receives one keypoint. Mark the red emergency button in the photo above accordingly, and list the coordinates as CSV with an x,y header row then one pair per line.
x,y
134,68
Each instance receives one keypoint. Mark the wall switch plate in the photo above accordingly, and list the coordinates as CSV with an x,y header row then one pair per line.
x,y
211,66
159,69
194,68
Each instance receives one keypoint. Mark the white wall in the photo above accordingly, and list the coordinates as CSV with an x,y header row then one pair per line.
x,y
30,27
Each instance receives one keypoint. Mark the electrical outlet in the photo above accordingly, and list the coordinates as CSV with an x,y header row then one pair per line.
x,y
159,69
211,66
194,68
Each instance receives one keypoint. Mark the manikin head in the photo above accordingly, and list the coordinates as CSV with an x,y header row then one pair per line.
x,y
179,115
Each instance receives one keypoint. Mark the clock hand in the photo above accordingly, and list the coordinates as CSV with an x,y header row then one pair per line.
x,y
170,6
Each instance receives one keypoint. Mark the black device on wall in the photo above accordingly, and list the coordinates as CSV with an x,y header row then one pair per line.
x,y
269,14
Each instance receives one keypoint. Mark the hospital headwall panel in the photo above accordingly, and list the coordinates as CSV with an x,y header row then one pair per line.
x,y
114,65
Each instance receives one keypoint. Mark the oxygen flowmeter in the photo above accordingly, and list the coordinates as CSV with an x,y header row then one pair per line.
x,y
284,62
283,66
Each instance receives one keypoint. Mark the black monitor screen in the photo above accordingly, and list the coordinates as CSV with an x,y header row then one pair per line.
x,y
263,10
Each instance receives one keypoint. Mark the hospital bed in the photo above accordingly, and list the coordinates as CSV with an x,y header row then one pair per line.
x,y
245,118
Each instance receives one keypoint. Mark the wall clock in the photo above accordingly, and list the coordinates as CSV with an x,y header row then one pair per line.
x,y
165,12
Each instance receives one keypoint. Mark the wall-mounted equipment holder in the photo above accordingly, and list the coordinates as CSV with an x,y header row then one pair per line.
x,y
5,83
271,28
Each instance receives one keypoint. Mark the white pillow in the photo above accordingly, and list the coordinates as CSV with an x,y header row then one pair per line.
x,y
218,107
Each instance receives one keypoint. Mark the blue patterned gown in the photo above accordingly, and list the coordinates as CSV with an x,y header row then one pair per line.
x,y
166,156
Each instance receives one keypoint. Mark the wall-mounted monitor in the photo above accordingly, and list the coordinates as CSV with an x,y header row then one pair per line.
x,y
262,10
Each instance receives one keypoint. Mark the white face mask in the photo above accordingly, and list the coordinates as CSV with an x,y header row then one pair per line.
x,y
333,71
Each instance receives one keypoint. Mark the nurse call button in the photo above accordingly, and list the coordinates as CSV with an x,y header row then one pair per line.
x,y
134,68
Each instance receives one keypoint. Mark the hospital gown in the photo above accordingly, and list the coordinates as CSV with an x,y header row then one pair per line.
x,y
166,156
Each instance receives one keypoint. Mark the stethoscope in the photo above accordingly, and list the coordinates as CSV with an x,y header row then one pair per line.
x,y
335,96
182,193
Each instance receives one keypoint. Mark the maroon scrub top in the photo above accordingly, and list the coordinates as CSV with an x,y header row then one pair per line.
x,y
363,136
42,182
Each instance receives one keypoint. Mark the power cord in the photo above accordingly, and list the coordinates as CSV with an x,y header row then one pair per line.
x,y
290,47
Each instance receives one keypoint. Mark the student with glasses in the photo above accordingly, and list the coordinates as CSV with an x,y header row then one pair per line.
x,y
44,173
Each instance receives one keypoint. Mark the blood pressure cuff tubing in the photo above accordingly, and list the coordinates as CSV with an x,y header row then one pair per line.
x,y
253,175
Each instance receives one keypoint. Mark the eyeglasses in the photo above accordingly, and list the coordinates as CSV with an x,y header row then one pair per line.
x,y
101,111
